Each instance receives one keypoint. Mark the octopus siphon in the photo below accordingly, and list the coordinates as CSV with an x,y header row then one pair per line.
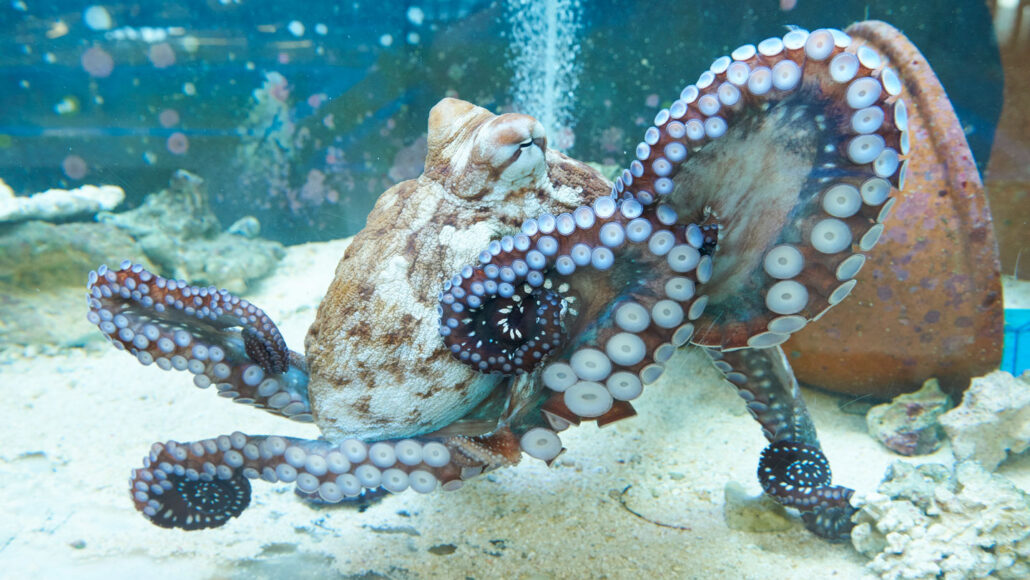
x,y
517,292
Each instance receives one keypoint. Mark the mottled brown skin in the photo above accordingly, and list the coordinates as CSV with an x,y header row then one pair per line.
x,y
378,368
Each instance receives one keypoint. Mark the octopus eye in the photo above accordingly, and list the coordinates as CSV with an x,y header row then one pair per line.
x,y
526,143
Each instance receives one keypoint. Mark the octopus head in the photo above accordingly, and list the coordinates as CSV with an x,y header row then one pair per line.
x,y
482,157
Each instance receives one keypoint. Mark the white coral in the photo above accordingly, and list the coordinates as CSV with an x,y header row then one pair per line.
x,y
58,203
928,523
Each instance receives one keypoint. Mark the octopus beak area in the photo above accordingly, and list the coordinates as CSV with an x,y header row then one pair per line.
x,y
594,301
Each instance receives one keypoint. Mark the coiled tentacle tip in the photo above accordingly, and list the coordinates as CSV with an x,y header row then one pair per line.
x,y
189,501
797,475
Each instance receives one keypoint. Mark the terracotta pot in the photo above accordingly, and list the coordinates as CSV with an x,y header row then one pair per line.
x,y
928,302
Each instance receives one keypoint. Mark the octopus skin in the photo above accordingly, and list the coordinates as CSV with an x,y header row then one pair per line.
x,y
511,292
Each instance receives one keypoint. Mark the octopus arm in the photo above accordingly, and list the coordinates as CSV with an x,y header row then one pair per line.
x,y
793,468
204,484
778,162
219,338
796,145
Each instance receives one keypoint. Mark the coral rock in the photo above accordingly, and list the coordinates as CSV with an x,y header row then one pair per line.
x,y
181,235
58,204
908,424
992,421
182,211
928,522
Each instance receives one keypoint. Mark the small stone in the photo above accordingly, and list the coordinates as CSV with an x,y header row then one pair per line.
x,y
443,549
247,226
908,424
750,513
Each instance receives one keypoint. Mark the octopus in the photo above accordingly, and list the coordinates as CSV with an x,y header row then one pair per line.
x,y
511,292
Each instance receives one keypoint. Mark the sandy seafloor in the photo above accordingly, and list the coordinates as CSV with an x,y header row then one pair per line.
x,y
74,424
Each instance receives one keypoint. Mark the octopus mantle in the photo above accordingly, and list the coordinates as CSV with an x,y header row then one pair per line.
x,y
375,347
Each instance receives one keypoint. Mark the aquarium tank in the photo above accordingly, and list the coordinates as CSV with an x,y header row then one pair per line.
x,y
515,289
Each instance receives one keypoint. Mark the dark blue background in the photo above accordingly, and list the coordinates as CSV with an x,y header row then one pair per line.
x,y
629,50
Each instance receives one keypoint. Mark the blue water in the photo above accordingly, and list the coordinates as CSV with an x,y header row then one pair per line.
x,y
379,66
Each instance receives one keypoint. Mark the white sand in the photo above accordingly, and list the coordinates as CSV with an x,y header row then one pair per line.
x,y
73,425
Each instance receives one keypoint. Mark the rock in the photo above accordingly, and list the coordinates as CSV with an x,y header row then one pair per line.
x,y
39,255
908,424
750,513
929,522
247,226
43,269
228,261
992,421
58,204
47,320
180,234
182,211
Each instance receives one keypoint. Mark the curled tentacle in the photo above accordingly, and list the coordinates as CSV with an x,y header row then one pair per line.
x,y
798,476
833,520
792,469
601,296
807,135
205,483
172,500
817,134
218,337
